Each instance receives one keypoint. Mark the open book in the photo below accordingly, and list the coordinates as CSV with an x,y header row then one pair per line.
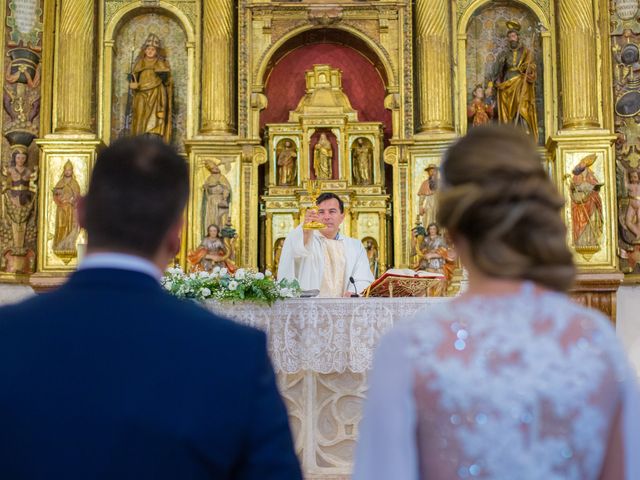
x,y
404,282
408,272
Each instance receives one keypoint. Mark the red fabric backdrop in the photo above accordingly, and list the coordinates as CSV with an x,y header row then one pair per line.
x,y
360,81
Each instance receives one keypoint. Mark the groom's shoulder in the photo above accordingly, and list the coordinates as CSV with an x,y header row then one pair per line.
x,y
212,333
197,316
25,308
167,312
198,313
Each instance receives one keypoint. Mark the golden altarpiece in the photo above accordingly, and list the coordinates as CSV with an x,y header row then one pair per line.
x,y
361,96
325,110
411,76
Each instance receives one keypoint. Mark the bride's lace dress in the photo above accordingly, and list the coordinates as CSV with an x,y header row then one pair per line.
x,y
526,386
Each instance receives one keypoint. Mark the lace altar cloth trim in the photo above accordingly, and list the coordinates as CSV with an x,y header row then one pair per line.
x,y
325,335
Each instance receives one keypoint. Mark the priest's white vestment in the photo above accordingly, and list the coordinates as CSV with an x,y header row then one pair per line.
x,y
306,263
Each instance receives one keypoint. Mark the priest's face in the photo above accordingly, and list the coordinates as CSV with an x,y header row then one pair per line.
x,y
330,215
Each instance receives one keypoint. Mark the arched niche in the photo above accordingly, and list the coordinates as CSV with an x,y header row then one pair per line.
x,y
124,36
482,37
365,76
308,36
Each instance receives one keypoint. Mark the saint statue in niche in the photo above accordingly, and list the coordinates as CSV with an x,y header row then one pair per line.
x,y
586,205
286,162
150,82
426,195
18,188
362,162
515,76
65,195
216,197
214,251
322,158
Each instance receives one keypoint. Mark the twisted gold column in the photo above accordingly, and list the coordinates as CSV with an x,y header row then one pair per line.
x,y
75,60
579,64
218,76
433,52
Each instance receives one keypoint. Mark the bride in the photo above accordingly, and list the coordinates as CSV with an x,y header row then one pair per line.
x,y
512,379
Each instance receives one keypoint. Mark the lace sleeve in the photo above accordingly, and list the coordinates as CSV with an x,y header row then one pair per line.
x,y
386,446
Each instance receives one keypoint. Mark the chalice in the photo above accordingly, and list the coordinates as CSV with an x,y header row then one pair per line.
x,y
314,189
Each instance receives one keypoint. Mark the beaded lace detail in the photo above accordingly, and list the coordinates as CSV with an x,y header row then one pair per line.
x,y
521,386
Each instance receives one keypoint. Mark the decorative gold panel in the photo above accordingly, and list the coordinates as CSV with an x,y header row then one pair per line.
x,y
54,157
420,163
230,168
282,225
597,152
368,225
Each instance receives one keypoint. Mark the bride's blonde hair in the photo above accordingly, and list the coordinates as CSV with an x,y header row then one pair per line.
x,y
497,195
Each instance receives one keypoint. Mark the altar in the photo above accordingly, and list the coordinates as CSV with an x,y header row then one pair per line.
x,y
321,350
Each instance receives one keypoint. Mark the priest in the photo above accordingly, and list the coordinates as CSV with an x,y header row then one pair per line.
x,y
325,260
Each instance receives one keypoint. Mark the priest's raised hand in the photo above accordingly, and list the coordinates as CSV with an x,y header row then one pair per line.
x,y
325,259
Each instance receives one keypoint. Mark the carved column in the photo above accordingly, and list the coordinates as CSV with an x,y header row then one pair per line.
x,y
433,54
579,65
75,60
218,75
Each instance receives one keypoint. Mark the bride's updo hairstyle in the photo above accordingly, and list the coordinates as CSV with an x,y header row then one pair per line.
x,y
497,196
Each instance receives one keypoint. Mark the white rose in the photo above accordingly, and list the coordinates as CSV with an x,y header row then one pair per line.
x,y
267,273
240,274
168,285
233,285
203,274
192,276
216,270
205,292
223,271
259,276
174,270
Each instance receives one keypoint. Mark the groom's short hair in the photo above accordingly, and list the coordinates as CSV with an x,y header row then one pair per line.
x,y
138,189
328,196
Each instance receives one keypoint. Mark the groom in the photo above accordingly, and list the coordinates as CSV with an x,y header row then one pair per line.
x,y
109,377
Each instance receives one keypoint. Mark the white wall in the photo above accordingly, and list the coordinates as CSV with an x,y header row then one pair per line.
x,y
628,322
14,293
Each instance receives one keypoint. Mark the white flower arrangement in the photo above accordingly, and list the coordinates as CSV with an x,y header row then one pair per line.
x,y
219,284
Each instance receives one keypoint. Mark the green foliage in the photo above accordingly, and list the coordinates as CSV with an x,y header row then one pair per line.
x,y
221,285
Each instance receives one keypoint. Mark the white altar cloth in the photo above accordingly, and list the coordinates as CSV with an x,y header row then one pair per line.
x,y
324,335
322,349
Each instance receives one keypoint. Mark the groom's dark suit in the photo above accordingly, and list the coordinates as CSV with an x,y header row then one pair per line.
x,y
109,377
